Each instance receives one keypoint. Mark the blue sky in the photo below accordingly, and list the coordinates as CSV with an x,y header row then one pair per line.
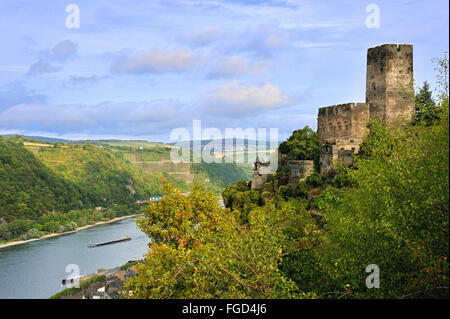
x,y
138,69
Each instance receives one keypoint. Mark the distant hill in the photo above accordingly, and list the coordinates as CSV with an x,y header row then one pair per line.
x,y
43,175
64,177
40,138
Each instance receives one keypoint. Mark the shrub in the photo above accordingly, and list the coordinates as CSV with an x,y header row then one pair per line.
x,y
314,180
32,233
51,226
5,234
285,191
301,190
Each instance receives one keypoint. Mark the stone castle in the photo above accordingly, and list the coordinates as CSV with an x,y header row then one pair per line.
x,y
389,97
341,128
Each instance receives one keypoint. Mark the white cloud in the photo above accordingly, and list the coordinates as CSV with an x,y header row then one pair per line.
x,y
235,66
157,61
107,117
264,96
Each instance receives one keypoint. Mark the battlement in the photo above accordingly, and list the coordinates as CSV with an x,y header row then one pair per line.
x,y
342,120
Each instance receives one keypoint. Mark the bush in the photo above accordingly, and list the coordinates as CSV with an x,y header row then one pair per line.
x,y
5,234
71,226
342,179
285,191
31,234
315,180
51,226
266,196
301,190
18,227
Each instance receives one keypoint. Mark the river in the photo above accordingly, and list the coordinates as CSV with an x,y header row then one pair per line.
x,y
35,269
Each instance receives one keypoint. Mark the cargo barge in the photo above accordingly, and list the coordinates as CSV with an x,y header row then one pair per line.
x,y
125,238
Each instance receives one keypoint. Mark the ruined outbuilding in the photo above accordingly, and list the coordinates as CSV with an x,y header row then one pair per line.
x,y
259,178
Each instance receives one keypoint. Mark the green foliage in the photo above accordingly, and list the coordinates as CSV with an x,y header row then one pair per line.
x,y
342,178
285,191
378,143
221,174
202,251
28,188
51,226
426,109
241,199
303,144
128,264
65,178
31,234
301,190
18,227
402,223
314,180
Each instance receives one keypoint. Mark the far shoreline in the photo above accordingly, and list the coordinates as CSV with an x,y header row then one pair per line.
x,y
21,242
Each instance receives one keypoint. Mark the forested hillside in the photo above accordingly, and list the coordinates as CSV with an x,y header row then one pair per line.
x,y
48,187
28,188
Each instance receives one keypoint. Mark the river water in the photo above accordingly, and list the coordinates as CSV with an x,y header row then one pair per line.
x,y
35,269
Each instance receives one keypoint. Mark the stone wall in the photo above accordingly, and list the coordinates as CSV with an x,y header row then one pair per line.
x,y
389,82
299,169
259,179
343,120
341,129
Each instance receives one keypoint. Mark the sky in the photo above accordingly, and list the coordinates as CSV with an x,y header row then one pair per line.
x,y
140,69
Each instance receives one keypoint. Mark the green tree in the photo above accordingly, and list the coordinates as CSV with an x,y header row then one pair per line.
x,y
426,109
303,144
202,251
396,217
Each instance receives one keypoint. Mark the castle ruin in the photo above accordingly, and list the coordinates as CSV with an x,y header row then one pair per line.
x,y
389,97
341,128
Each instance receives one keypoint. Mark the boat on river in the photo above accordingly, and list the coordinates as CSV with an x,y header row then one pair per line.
x,y
125,238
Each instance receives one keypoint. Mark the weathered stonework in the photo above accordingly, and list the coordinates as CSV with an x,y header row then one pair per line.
x,y
259,179
389,96
389,82
298,170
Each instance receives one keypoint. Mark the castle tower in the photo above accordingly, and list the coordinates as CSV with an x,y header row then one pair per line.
x,y
389,82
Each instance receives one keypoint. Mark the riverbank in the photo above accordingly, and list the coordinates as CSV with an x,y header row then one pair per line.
x,y
21,242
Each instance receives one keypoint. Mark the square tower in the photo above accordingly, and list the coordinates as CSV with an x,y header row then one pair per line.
x,y
389,82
